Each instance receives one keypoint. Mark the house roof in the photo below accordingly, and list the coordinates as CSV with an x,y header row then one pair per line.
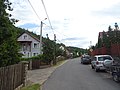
x,y
100,35
30,35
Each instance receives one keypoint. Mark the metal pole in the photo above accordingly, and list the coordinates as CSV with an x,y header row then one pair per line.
x,y
41,38
54,61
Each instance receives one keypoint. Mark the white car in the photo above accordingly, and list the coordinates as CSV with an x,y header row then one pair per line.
x,y
100,62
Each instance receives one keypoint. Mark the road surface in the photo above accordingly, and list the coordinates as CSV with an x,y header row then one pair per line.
x,y
75,76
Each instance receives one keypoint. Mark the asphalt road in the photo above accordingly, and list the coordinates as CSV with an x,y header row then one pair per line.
x,y
75,76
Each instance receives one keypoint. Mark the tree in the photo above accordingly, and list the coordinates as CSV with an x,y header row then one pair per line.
x,y
8,39
99,43
48,50
109,28
106,40
116,26
59,52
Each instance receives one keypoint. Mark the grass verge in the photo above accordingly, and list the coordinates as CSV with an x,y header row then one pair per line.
x,y
31,87
60,62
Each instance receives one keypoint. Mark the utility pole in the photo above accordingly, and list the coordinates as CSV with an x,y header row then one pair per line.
x,y
54,61
41,37
41,25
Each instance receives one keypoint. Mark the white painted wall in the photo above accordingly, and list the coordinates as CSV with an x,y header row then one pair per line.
x,y
34,45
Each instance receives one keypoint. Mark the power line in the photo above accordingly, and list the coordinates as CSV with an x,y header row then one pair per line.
x,y
59,35
47,15
34,10
59,41
45,12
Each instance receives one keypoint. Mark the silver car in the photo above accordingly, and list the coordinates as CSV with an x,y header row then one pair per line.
x,y
99,62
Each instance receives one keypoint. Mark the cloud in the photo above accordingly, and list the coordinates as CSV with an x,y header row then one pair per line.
x,y
76,42
56,24
112,11
73,39
83,44
75,22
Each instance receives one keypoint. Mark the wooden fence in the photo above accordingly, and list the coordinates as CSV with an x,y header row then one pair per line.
x,y
114,50
37,64
98,51
12,76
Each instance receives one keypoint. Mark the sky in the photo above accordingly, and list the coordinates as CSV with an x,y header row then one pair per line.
x,y
75,22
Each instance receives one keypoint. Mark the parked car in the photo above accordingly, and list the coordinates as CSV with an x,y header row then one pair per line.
x,y
116,72
85,59
101,62
115,69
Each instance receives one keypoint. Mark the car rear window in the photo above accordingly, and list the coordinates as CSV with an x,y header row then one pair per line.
x,y
104,58
87,57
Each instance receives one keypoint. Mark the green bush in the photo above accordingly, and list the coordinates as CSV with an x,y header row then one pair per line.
x,y
39,57
43,58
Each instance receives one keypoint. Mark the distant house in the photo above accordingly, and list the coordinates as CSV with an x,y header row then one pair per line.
x,y
29,45
66,51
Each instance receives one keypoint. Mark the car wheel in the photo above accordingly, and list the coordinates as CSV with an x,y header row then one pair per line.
x,y
97,70
116,78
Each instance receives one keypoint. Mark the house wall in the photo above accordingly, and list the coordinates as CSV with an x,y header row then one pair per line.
x,y
29,45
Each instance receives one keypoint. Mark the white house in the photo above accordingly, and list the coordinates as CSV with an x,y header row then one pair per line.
x,y
29,45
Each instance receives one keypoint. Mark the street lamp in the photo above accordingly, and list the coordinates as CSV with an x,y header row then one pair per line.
x,y
41,23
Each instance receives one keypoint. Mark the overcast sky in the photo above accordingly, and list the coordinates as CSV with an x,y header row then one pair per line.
x,y
75,22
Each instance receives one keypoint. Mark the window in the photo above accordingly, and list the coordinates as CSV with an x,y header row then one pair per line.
x,y
34,54
35,45
24,47
25,36
107,57
100,59
87,56
104,58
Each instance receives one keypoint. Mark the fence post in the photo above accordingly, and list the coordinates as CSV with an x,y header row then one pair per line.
x,y
25,72
30,65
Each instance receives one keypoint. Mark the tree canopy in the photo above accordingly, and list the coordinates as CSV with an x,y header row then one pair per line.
x,y
8,36
112,36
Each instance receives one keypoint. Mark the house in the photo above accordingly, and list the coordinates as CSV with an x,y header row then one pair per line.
x,y
68,54
29,45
